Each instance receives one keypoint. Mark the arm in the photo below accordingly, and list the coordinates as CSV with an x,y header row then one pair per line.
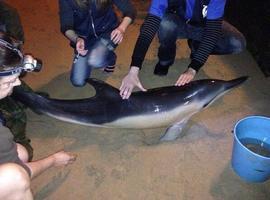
x,y
67,27
60,158
80,42
211,34
129,14
118,33
66,16
126,8
147,33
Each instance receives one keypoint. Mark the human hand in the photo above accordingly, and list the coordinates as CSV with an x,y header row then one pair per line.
x,y
63,158
117,35
80,46
129,82
186,77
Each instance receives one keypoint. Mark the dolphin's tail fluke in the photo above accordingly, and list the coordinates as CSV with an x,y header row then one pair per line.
x,y
235,82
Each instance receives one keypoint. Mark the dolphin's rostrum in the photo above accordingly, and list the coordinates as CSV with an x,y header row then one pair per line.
x,y
159,107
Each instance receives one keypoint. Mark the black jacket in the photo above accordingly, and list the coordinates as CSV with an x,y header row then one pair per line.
x,y
90,21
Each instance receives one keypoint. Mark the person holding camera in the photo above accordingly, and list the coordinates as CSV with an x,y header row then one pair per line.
x,y
94,32
200,22
15,170
12,111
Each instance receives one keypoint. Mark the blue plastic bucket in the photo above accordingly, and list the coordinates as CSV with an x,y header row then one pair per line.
x,y
251,149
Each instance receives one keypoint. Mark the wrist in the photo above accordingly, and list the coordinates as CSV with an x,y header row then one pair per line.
x,y
195,65
78,38
134,70
191,70
121,29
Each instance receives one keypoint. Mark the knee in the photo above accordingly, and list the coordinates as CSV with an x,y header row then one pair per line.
x,y
22,153
238,44
103,59
13,178
94,61
97,57
167,29
78,82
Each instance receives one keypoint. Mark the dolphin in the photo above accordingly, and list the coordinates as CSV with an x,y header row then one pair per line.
x,y
169,106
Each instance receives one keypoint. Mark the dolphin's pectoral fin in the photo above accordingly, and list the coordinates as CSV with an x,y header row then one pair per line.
x,y
103,89
174,131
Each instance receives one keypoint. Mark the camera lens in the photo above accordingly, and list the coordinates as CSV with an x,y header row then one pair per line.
x,y
38,66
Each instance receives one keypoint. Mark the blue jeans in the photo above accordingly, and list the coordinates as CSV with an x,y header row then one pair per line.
x,y
100,54
173,27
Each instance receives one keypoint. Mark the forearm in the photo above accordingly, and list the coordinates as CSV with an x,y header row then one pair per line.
x,y
147,33
126,7
39,166
125,23
65,16
210,37
71,35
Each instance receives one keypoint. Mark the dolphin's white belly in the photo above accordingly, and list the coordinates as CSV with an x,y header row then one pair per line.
x,y
155,120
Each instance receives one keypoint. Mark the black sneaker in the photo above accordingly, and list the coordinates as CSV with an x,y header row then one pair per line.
x,y
161,70
109,69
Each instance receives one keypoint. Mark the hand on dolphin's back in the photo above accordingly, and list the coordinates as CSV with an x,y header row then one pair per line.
x,y
130,81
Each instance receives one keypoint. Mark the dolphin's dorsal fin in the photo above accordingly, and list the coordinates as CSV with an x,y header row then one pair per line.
x,y
102,88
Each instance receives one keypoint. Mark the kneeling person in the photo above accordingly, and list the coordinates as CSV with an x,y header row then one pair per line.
x,y
15,170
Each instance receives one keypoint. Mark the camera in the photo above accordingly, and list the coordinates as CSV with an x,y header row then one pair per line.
x,y
31,64
28,62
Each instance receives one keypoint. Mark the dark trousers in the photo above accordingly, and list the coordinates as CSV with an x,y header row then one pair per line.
x,y
173,27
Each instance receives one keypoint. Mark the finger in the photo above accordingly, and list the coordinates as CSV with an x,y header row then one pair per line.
x,y
113,34
128,93
116,39
119,39
83,52
185,80
181,82
73,158
80,47
121,86
139,85
189,79
123,90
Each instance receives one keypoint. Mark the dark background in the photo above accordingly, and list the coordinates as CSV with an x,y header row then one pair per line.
x,y
252,18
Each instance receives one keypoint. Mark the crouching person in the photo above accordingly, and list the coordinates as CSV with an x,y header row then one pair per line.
x,y
15,170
